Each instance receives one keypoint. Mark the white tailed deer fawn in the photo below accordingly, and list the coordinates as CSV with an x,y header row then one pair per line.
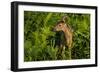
x,y
68,34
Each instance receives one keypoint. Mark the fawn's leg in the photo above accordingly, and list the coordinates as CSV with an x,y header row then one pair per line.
x,y
69,49
63,52
59,53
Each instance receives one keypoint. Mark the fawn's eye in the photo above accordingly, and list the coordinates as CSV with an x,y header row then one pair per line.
x,y
59,25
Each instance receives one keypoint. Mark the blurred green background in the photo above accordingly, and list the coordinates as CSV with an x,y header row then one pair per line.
x,y
39,40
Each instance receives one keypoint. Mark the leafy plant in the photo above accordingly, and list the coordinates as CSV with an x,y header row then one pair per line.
x,y
39,40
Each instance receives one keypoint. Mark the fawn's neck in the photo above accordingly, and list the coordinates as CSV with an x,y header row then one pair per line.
x,y
66,33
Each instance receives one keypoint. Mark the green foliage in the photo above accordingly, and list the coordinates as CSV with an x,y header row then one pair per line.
x,y
39,40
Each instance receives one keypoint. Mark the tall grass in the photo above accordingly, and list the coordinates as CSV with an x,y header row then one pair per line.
x,y
39,40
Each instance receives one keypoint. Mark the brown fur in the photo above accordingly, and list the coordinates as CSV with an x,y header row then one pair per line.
x,y
62,26
68,35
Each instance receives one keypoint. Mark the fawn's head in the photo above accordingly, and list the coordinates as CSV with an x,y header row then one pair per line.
x,y
59,26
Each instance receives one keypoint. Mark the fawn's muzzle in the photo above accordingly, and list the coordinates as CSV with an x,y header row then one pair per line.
x,y
54,30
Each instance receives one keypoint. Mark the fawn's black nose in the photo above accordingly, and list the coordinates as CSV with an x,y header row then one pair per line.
x,y
54,30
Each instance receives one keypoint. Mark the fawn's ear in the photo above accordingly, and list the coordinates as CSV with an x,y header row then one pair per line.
x,y
65,18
